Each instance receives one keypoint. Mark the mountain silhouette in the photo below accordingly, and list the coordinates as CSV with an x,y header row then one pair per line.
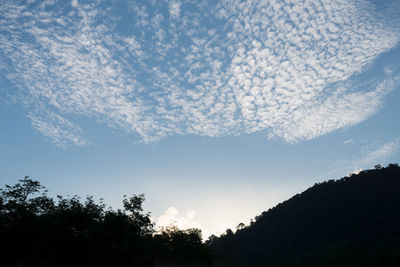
x,y
353,221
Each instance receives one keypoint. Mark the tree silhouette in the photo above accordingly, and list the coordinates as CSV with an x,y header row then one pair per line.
x,y
353,221
35,230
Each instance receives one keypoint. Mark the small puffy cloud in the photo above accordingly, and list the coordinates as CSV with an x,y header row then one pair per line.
x,y
174,8
75,3
355,171
172,216
348,141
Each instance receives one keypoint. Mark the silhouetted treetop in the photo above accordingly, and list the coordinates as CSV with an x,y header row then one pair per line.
x,y
36,230
353,221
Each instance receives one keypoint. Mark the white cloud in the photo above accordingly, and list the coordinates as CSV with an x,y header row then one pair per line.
x,y
379,154
75,3
225,69
174,8
348,141
337,111
58,129
356,171
172,216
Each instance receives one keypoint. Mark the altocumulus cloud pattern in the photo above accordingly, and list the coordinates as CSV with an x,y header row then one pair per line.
x,y
159,68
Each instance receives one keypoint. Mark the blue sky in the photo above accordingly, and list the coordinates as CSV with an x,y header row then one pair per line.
x,y
215,110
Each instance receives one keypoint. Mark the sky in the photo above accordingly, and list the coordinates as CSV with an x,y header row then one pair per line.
x,y
215,110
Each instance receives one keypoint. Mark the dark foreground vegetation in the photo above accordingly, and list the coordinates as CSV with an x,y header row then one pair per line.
x,y
354,221
35,230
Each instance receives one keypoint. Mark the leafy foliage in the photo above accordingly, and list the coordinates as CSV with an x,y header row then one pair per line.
x,y
36,230
184,245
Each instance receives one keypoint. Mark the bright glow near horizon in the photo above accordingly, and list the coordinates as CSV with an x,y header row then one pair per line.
x,y
215,110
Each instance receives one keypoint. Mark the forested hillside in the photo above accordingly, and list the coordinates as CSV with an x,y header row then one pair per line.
x,y
354,221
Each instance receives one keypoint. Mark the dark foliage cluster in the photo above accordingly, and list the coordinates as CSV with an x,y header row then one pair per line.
x,y
354,221
36,230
